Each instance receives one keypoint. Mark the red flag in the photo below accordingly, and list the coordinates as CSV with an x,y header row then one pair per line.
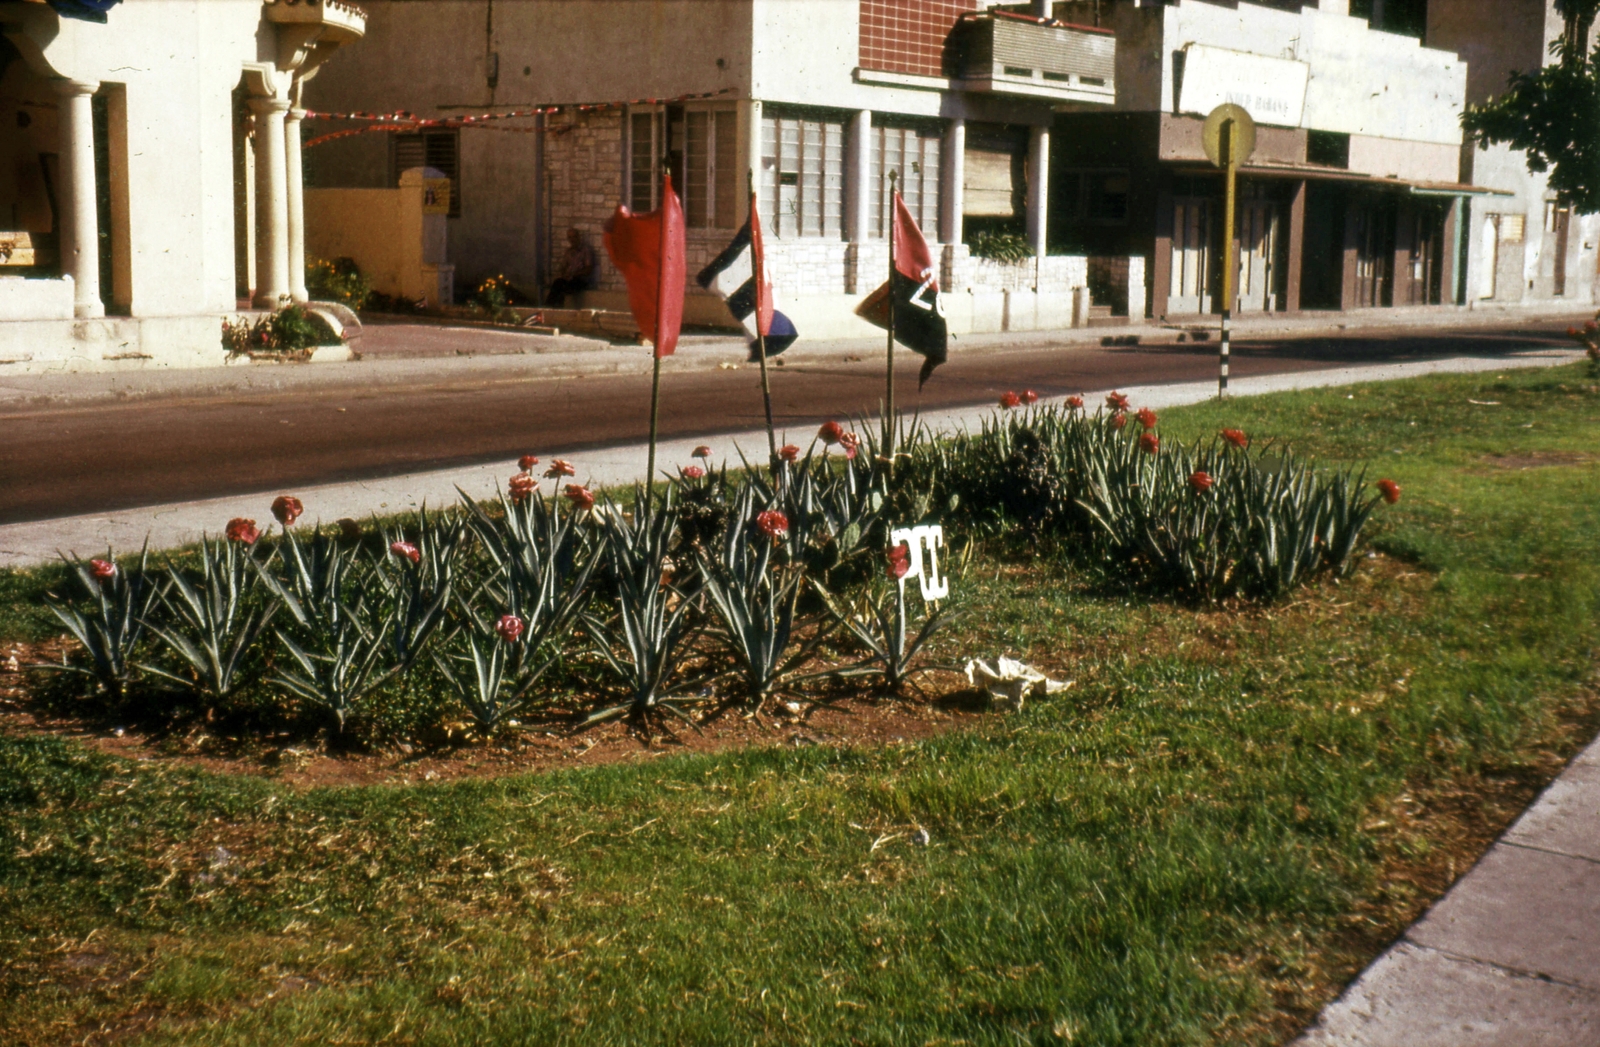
x,y
758,265
913,292
648,249
911,256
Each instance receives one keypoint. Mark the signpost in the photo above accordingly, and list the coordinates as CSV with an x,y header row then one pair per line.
x,y
1229,137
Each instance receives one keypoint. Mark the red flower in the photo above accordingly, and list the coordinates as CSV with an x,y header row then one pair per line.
x,y
1118,420
287,508
1010,400
899,560
830,433
1390,491
406,551
102,570
1572,332
242,530
559,467
692,472
701,452
1116,401
1030,397
1201,481
789,453
1236,437
772,523
1149,443
1075,403
522,486
509,627
1147,417
850,443
580,497
527,462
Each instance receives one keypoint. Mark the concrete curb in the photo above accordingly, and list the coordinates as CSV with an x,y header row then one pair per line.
x,y
168,526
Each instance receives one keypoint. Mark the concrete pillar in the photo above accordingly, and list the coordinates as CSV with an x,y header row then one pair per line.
x,y
750,148
1161,251
858,178
80,239
295,201
1038,189
1294,268
953,182
272,203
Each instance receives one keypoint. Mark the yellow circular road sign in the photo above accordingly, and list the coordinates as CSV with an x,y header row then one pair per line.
x,y
1244,134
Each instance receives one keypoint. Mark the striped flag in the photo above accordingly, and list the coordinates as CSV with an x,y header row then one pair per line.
x,y
750,299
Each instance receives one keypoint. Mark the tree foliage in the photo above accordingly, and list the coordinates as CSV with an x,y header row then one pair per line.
x,y
1553,114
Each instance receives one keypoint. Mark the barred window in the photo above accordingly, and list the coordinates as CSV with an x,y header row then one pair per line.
x,y
440,150
802,173
703,148
912,151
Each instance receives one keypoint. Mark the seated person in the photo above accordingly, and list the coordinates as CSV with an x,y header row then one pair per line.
x,y
577,268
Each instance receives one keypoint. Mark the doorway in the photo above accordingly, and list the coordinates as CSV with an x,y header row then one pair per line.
x,y
1374,219
1256,224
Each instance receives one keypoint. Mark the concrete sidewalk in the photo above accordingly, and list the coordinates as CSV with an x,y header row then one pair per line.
x,y
167,526
1510,957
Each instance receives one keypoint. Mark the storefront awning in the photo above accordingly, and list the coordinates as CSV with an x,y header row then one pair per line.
x,y
1319,173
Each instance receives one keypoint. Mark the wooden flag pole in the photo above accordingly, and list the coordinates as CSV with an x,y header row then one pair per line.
x,y
655,349
759,275
888,402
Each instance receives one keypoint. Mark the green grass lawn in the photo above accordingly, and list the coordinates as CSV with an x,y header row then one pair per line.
x,y
1230,813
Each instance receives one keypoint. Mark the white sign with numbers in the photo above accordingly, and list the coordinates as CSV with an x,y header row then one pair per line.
x,y
924,566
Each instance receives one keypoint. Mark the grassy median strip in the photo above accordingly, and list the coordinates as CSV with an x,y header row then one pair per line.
x,y
1231,810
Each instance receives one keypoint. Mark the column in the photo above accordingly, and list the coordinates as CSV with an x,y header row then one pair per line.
x,y
1038,189
953,181
80,232
295,198
858,178
1161,249
750,148
272,203
1295,257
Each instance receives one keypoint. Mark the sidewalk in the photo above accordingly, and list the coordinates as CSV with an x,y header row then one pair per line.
x,y
1510,957
398,352
167,526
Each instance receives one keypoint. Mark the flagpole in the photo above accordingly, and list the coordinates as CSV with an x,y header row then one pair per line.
x,y
761,336
888,407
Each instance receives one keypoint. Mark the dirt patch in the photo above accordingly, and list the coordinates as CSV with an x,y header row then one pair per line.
x,y
1538,459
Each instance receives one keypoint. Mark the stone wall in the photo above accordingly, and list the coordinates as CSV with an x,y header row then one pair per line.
x,y
583,154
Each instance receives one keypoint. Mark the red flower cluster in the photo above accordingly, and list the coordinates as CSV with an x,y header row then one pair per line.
x,y
830,433
1236,437
701,452
772,523
1075,403
580,497
287,509
1149,443
1147,417
692,472
406,551
1010,400
1390,491
850,443
1030,397
559,468
1119,419
102,570
242,530
522,486
509,627
527,462
789,453
1201,481
1116,401
899,560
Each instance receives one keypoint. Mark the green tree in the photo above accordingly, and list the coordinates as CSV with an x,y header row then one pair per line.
x,y
1553,114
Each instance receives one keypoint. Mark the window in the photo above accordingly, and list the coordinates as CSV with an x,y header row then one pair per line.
x,y
703,146
912,151
1095,197
802,173
439,150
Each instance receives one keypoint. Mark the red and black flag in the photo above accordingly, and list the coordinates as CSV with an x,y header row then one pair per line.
x,y
649,251
914,288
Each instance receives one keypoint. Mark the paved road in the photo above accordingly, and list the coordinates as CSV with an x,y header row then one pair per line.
x,y
75,459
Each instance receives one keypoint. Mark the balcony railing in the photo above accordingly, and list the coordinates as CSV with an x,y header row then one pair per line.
x,y
1018,54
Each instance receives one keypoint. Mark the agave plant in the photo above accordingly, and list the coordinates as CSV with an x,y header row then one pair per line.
x,y
878,619
494,648
647,638
337,605
755,597
108,617
211,621
417,577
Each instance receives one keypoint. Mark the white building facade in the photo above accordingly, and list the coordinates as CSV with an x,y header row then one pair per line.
x,y
150,173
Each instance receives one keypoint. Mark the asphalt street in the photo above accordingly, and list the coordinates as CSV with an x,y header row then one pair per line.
x,y
76,458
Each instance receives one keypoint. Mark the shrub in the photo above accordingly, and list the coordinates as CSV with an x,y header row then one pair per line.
x,y
1000,246
292,329
108,617
339,280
